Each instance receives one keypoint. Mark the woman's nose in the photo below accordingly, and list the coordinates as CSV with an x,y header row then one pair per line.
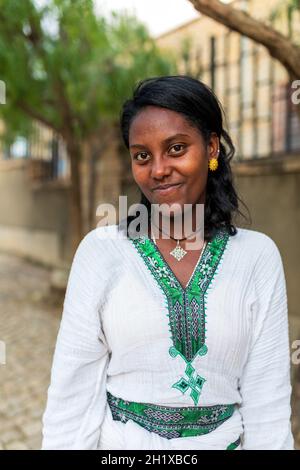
x,y
160,168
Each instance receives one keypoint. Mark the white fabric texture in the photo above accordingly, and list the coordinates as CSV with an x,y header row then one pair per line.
x,y
114,335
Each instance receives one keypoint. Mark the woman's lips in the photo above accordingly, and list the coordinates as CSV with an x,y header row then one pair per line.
x,y
168,190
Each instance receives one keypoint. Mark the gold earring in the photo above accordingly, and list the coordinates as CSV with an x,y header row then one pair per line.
x,y
213,162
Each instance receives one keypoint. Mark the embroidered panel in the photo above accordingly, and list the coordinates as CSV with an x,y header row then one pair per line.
x,y
186,306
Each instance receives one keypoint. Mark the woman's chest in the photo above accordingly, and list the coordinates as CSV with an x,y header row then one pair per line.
x,y
140,316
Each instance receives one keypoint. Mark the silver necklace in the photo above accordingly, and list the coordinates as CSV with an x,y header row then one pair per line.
x,y
178,252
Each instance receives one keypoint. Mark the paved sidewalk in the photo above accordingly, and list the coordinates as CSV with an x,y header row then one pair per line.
x,y
29,328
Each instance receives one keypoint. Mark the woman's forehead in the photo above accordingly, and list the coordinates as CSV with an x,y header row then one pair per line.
x,y
159,120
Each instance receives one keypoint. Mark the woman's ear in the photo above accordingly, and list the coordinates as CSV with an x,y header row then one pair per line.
x,y
213,146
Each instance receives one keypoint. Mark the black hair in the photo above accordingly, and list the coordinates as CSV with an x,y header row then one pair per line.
x,y
195,101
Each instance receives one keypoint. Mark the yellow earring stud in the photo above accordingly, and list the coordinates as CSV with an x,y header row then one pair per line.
x,y
213,164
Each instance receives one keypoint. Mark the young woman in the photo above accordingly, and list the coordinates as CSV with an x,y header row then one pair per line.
x,y
162,346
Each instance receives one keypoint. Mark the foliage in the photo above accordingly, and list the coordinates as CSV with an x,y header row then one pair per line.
x,y
68,67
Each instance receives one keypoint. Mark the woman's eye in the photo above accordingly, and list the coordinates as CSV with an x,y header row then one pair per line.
x,y
178,147
144,154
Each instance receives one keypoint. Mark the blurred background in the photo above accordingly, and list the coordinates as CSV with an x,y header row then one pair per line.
x,y
65,69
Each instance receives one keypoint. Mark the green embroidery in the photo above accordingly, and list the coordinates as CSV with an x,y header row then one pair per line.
x,y
186,307
195,382
234,444
170,422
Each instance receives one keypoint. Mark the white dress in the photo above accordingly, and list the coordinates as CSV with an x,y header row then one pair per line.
x,y
122,334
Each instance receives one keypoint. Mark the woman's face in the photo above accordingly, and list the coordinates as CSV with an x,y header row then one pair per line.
x,y
166,149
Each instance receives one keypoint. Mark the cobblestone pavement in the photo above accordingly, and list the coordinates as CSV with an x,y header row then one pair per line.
x,y
29,327
29,321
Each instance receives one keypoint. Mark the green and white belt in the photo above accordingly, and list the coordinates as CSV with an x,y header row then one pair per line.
x,y
172,422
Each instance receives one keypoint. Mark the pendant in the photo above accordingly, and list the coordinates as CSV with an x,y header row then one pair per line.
x,y
178,252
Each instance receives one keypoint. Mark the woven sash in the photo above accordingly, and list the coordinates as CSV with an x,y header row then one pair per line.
x,y
172,422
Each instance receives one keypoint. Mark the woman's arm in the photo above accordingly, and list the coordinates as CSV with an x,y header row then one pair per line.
x,y
265,385
77,393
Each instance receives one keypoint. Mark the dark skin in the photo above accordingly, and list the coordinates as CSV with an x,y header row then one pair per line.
x,y
183,158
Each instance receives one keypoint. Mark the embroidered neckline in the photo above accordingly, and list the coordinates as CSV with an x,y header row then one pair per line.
x,y
186,306
171,272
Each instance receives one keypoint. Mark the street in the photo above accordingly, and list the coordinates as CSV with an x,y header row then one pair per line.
x,y
28,327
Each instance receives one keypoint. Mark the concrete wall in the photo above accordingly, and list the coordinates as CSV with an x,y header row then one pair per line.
x,y
270,189
34,218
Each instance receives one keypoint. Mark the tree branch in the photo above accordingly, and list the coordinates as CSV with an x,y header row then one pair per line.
x,y
279,46
36,115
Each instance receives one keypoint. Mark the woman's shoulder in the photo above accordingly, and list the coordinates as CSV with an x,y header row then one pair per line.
x,y
104,232
100,253
105,241
258,244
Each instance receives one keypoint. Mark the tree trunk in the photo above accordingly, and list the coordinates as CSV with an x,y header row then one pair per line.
x,y
93,158
279,46
74,153
96,145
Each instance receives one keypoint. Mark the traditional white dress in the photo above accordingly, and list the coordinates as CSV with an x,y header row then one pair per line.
x,y
141,363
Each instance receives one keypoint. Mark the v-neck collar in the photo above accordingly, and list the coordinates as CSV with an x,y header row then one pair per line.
x,y
168,267
152,256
